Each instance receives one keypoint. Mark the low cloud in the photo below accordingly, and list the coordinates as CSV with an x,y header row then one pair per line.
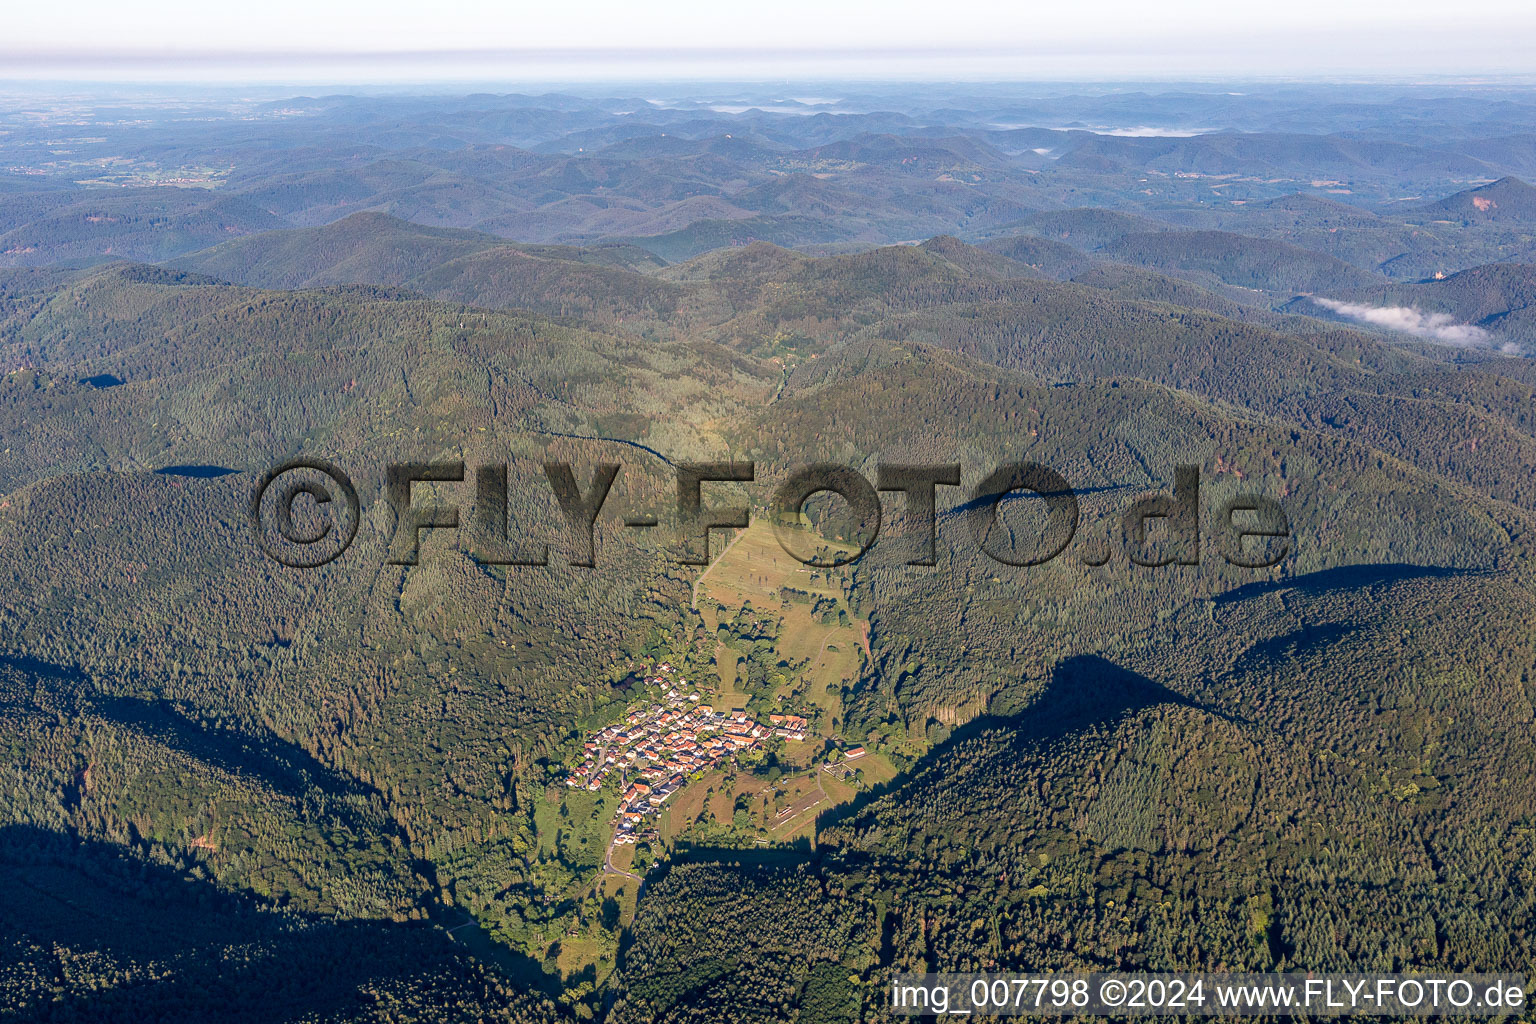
x,y
1436,327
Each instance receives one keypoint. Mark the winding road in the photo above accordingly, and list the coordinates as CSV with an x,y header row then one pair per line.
x,y
608,867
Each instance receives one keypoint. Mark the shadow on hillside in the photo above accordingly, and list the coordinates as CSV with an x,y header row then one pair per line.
x,y
282,765
198,472
786,855
978,504
1085,692
285,767
1344,577
1308,637
217,956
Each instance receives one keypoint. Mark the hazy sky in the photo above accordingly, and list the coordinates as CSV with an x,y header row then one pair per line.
x,y
682,38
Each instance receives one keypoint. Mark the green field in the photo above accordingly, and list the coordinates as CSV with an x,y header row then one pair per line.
x,y
755,570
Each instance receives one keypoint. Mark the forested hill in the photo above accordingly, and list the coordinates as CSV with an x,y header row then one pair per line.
x,y
372,743
375,790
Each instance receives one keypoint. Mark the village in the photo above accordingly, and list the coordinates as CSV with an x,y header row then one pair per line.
x,y
659,746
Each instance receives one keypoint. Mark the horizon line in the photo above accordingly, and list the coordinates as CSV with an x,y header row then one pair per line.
x,y
1106,61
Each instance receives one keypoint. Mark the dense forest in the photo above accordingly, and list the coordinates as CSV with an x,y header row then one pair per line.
x,y
237,790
